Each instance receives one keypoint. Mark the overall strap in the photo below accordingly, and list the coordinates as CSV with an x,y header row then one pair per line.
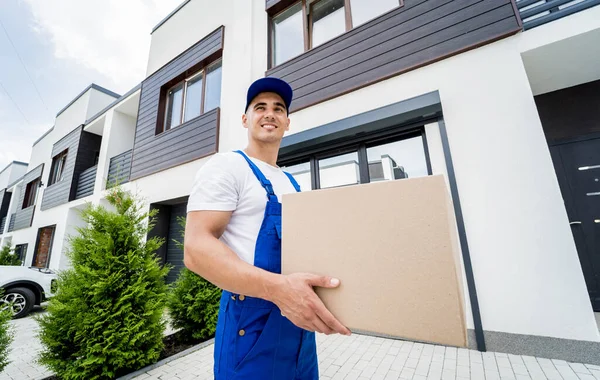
x,y
293,181
266,184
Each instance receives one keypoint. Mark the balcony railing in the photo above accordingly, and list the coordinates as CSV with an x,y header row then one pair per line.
x,y
11,223
119,169
2,225
538,12
87,179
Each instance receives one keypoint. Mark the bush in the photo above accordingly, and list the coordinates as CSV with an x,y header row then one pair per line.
x,y
8,257
105,319
6,335
193,303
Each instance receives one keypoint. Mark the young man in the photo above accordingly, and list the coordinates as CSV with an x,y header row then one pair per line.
x,y
233,239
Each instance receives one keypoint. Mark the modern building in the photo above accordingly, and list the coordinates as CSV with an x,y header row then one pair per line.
x,y
500,97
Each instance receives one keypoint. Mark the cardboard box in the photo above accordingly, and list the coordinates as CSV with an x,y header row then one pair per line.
x,y
394,247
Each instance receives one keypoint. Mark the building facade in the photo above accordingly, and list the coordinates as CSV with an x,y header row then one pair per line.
x,y
500,97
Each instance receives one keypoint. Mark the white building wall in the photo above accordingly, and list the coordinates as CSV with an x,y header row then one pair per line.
x,y
526,267
98,100
527,271
11,173
61,216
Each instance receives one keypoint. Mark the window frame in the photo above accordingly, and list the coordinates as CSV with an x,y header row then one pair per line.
x,y
359,145
307,26
163,114
31,190
58,166
22,249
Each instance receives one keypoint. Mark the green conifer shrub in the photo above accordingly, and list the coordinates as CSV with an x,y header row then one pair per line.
x,y
105,319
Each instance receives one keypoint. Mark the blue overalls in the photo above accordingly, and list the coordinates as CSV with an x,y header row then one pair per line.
x,y
253,340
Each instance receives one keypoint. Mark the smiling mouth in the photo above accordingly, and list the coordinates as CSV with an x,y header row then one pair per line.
x,y
269,127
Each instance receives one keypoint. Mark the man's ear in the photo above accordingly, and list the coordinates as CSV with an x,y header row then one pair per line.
x,y
287,128
244,120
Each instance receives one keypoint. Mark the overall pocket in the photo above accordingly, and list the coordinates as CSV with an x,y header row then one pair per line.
x,y
257,333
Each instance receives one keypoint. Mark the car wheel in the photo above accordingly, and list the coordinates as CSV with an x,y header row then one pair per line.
x,y
20,300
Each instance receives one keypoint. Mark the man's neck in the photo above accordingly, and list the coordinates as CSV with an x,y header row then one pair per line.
x,y
265,152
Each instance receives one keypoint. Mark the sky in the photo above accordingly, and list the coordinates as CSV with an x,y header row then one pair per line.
x,y
51,50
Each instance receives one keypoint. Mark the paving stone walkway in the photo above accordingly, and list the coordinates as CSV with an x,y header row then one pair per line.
x,y
364,357
340,357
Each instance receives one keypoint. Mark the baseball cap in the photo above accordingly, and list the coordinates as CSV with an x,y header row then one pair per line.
x,y
270,84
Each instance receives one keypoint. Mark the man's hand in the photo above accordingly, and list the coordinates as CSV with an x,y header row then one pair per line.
x,y
298,302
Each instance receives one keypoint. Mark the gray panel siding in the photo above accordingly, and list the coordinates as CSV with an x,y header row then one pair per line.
x,y
119,169
11,223
192,140
3,224
174,252
23,217
416,34
85,185
60,192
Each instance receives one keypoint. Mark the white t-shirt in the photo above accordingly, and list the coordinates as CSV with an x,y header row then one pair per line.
x,y
226,183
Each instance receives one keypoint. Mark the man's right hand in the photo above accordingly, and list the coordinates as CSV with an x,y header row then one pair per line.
x,y
298,302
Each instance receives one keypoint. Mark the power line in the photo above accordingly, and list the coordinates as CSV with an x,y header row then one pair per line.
x,y
16,105
24,67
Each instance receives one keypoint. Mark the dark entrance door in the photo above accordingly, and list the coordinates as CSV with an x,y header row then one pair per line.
x,y
43,247
577,165
174,256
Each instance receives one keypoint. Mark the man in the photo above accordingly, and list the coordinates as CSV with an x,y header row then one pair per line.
x,y
233,239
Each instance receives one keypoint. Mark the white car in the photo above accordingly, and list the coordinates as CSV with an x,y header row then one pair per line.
x,y
23,288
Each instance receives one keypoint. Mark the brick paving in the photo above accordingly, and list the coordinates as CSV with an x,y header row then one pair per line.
x,y
24,351
341,358
364,357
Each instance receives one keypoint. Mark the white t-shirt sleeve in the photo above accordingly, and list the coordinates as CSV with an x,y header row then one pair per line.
x,y
215,187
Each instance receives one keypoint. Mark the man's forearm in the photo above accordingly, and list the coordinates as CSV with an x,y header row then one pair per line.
x,y
217,263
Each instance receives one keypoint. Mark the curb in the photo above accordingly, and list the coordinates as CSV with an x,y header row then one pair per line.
x,y
167,360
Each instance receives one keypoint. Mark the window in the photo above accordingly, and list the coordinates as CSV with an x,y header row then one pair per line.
x,y
310,23
288,34
57,168
21,252
328,20
192,97
31,193
397,160
302,175
372,159
339,170
366,10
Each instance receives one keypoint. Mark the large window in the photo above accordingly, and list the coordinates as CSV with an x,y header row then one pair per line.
x,y
57,168
192,97
379,158
31,191
310,23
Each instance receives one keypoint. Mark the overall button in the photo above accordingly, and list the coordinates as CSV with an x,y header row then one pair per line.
x,y
242,333
242,297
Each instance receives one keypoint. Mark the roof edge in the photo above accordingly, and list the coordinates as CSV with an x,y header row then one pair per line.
x,y
42,136
169,16
91,86
12,163
111,105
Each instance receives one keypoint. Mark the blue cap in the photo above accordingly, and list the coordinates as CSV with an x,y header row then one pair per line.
x,y
270,84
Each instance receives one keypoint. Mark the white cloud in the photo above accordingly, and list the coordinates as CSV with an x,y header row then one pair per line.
x,y
111,37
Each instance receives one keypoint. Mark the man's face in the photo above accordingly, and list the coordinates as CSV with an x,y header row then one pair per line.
x,y
266,118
